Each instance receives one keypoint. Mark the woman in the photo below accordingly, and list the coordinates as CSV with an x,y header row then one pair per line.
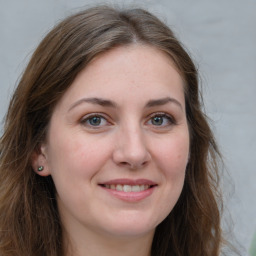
x,y
105,147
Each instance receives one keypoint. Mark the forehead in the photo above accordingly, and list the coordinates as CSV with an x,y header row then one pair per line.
x,y
149,56
128,70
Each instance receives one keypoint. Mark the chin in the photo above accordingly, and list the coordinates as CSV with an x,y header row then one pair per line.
x,y
123,232
131,227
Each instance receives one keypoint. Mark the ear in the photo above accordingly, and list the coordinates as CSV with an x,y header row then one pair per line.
x,y
39,161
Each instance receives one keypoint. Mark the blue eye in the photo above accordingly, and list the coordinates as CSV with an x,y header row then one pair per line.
x,y
94,121
157,120
161,120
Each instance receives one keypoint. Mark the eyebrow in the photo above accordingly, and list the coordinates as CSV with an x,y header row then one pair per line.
x,y
96,101
163,101
109,103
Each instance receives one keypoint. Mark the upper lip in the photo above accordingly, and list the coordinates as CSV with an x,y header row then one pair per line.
x,y
129,182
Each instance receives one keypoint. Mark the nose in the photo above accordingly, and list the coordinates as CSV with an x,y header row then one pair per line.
x,y
131,150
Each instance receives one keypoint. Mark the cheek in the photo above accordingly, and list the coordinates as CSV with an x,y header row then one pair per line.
x,y
173,155
74,163
77,155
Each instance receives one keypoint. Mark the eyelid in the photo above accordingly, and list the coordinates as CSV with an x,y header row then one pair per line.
x,y
163,114
86,117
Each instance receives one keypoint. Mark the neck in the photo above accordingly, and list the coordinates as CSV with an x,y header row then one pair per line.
x,y
94,244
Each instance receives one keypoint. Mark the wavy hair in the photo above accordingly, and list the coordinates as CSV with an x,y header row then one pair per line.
x,y
29,219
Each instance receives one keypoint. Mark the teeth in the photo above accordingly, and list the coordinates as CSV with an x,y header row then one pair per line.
x,y
119,187
144,187
136,188
127,188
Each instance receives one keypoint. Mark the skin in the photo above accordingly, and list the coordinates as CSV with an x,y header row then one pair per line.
x,y
138,131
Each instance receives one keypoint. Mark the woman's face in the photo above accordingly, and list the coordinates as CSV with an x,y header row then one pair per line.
x,y
118,144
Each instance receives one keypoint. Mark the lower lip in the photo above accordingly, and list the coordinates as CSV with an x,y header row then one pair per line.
x,y
130,196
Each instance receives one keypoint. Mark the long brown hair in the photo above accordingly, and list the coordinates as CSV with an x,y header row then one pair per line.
x,y
29,219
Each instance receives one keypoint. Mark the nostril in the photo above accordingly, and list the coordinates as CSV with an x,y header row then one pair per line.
x,y
137,165
123,163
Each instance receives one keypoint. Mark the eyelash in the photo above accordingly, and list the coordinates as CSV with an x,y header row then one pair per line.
x,y
170,119
86,120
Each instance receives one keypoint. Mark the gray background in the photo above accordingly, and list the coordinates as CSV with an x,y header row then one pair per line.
x,y
221,37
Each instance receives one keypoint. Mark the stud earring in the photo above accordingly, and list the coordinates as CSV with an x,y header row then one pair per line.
x,y
40,168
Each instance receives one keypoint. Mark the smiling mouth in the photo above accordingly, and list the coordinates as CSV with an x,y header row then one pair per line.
x,y
127,188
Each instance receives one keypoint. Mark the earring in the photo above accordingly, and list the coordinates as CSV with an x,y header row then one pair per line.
x,y
40,168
